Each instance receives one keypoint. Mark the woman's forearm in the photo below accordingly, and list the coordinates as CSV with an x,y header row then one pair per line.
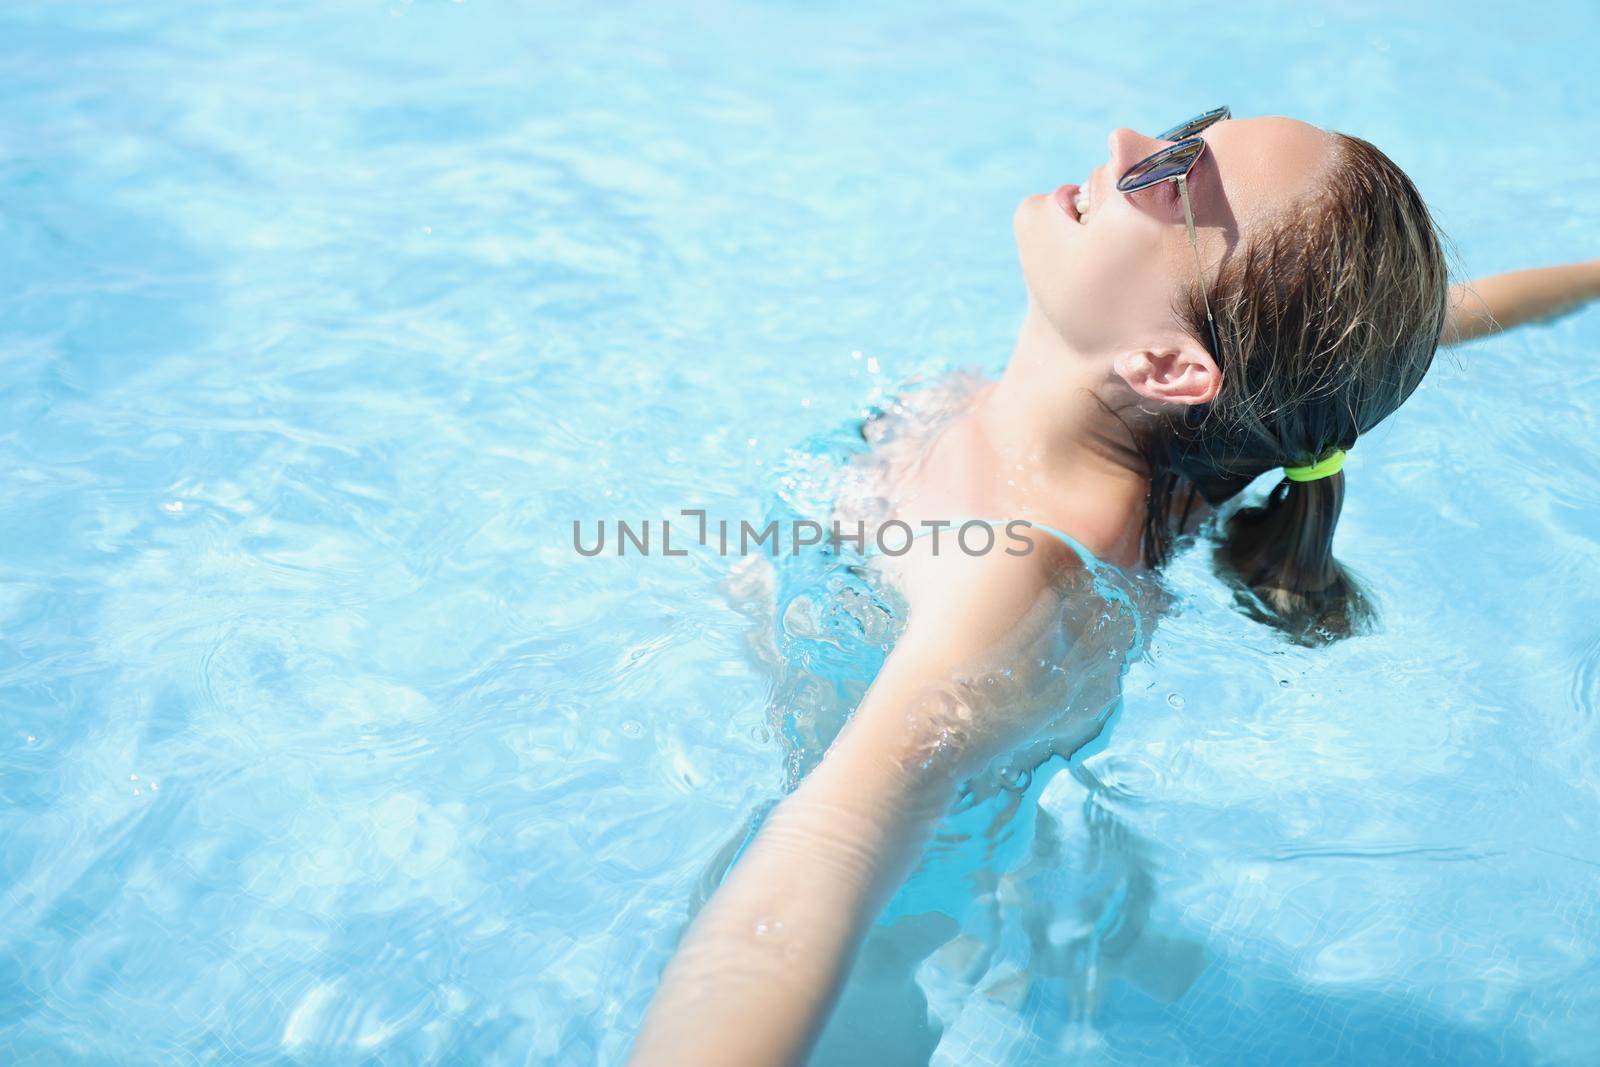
x,y
1502,301
759,969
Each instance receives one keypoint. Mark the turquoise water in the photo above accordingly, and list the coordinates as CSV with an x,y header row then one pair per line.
x,y
320,323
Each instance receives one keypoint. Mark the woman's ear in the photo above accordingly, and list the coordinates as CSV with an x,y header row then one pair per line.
x,y
1185,374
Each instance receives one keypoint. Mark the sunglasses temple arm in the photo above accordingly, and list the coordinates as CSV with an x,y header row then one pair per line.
x,y
1194,245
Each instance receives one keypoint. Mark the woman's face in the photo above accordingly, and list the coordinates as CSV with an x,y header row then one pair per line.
x,y
1108,281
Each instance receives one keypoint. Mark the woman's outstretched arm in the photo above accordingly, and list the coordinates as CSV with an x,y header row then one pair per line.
x,y
1501,301
759,969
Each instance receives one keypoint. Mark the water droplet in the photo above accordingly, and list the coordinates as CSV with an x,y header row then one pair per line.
x,y
1283,683
133,777
1175,699
31,739
760,734
632,728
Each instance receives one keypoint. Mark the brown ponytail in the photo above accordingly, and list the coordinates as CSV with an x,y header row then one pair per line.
x,y
1280,554
1327,324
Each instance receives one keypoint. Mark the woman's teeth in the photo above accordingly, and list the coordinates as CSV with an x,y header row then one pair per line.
x,y
1080,201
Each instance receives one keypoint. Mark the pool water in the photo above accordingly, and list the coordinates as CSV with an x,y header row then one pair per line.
x,y
319,743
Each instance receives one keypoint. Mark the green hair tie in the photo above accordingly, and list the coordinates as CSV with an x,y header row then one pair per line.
x,y
1332,463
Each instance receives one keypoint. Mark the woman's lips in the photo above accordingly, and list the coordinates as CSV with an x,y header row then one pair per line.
x,y
1065,198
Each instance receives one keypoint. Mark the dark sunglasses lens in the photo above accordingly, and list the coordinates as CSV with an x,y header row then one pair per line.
x,y
1185,130
1163,166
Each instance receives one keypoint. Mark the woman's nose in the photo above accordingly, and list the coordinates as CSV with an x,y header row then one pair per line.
x,y
1128,147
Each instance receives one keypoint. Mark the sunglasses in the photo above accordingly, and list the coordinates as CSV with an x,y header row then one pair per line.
x,y
1173,164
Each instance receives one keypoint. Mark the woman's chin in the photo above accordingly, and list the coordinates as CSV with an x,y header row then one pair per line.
x,y
1045,258
1032,204
1029,220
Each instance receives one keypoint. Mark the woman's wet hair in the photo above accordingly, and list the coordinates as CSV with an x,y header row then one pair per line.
x,y
1327,323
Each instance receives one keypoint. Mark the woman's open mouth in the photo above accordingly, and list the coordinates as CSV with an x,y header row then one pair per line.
x,y
1066,199
1074,200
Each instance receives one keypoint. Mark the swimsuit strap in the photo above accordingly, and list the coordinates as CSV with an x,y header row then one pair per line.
x,y
1088,558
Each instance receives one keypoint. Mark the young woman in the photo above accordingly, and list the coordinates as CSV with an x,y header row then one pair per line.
x,y
1231,297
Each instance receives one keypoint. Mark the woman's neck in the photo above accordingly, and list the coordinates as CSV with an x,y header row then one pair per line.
x,y
1066,448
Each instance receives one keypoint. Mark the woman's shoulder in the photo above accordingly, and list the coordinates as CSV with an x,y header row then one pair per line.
x,y
946,584
1053,582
